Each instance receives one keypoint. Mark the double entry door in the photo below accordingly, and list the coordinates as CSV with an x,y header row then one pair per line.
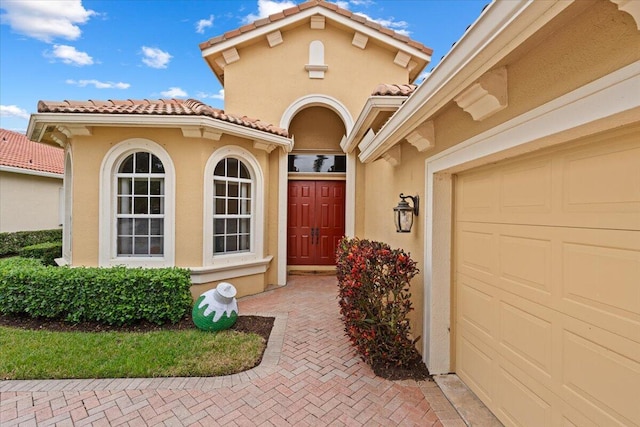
x,y
315,221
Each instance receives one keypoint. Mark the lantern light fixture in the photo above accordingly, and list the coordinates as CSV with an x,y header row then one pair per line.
x,y
404,213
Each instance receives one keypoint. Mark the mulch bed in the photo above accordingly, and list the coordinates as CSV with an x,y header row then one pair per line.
x,y
259,325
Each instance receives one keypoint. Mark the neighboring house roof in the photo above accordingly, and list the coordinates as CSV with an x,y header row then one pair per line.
x,y
172,107
394,90
309,4
17,151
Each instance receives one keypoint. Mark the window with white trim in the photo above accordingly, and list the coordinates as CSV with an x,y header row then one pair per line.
x,y
140,206
232,184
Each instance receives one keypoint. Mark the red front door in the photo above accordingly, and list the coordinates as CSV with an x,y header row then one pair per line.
x,y
315,221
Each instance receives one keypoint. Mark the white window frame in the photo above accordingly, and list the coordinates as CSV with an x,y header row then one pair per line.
x,y
255,253
108,206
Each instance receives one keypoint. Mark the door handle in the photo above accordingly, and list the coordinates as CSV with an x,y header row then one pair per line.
x,y
315,232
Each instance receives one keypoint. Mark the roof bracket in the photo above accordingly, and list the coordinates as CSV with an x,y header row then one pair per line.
x,y
485,97
423,137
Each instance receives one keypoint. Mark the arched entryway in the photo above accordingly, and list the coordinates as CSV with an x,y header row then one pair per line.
x,y
316,188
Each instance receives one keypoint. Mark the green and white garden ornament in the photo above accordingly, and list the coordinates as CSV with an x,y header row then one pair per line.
x,y
216,309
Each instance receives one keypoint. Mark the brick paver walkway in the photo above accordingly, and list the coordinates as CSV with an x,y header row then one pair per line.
x,y
309,377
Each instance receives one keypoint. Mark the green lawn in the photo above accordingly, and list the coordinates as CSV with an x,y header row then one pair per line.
x,y
29,354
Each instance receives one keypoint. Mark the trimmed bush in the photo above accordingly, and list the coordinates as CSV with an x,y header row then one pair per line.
x,y
46,252
11,243
114,296
374,299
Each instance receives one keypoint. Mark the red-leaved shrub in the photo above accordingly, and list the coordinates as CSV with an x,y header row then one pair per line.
x,y
374,298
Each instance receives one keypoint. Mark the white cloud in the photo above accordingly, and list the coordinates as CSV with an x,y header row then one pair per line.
x,y
13,111
174,92
45,20
268,7
424,75
204,23
219,95
399,27
155,58
361,2
98,84
342,4
69,55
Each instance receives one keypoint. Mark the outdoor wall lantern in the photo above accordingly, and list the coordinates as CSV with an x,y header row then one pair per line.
x,y
403,213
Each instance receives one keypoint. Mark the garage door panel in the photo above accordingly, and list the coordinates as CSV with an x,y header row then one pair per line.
x,y
525,261
521,400
601,373
526,333
603,179
600,279
478,253
477,195
526,187
479,304
477,362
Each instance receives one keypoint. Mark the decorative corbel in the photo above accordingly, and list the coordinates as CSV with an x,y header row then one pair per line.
x,y
317,22
274,39
265,146
632,7
423,137
393,156
231,55
485,97
402,59
359,40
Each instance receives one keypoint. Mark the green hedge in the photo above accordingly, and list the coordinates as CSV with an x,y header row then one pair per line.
x,y
11,243
46,252
114,296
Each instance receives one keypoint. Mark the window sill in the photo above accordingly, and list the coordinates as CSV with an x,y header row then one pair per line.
x,y
227,271
139,262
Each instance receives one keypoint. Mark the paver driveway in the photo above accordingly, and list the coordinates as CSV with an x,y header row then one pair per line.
x,y
309,376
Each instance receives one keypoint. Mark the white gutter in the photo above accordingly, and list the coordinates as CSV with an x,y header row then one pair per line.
x,y
23,171
502,26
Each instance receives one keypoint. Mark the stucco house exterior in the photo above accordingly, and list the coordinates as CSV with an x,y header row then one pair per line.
x,y
30,184
523,146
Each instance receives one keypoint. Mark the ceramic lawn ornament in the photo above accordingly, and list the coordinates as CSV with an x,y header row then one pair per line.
x,y
216,309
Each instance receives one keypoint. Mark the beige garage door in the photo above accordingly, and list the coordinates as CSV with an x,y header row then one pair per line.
x,y
547,285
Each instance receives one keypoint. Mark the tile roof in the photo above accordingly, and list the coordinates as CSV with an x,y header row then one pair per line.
x,y
306,5
171,107
16,150
384,89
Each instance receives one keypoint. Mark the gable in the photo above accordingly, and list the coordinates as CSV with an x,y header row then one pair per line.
x,y
223,50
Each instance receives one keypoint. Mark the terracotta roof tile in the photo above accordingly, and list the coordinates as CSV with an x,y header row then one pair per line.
x,y
16,150
169,107
309,4
394,90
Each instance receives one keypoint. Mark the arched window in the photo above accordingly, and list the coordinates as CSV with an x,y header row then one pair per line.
x,y
140,206
232,207
137,205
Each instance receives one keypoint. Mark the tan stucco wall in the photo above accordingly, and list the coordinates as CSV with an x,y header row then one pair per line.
x,y
265,81
29,202
317,128
247,285
189,156
582,48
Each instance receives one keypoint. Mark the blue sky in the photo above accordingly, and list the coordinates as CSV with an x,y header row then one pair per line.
x,y
135,49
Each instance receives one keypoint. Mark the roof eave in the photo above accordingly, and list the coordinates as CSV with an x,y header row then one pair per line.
x,y
501,27
40,121
32,172
372,108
